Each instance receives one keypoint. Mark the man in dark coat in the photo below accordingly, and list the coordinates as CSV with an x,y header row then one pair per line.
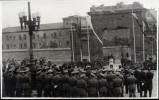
x,y
131,84
12,83
126,75
26,84
110,78
19,84
65,84
102,85
47,87
142,82
39,84
149,83
72,85
117,84
92,85
82,86
136,74
56,84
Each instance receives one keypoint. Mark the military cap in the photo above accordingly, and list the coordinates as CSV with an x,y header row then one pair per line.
x,y
101,74
75,72
65,71
82,75
82,70
38,72
117,74
93,71
46,67
88,66
10,70
92,75
50,71
118,70
104,70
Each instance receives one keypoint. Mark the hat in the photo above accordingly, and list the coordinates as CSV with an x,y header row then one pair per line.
x,y
82,70
118,70
117,74
104,70
65,71
93,71
82,75
10,70
88,66
101,74
92,75
21,71
38,72
46,67
75,72
50,71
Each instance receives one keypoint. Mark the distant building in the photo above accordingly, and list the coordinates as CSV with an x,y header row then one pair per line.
x,y
114,25
50,41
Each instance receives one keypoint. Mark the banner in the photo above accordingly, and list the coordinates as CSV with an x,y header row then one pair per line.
x,y
88,19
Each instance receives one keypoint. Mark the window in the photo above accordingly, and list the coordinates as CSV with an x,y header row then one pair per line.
x,y
25,46
38,35
14,45
20,46
55,35
7,46
52,35
60,43
39,44
10,45
2,46
24,36
60,34
7,37
34,45
10,37
67,43
44,36
20,38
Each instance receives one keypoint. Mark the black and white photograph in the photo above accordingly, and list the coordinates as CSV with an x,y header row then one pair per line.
x,y
71,49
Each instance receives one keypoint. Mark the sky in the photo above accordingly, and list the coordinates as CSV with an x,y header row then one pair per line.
x,y
52,11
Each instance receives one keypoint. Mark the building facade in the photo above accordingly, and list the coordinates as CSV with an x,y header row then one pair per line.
x,y
120,32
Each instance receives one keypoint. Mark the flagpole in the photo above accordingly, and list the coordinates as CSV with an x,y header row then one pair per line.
x,y
88,43
143,42
72,43
134,39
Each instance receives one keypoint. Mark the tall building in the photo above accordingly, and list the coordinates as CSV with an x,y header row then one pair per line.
x,y
119,30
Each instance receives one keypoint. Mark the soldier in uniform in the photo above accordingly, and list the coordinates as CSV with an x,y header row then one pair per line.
x,y
117,84
26,84
47,88
126,75
131,84
65,84
19,84
142,82
149,83
12,83
82,86
56,84
110,78
72,85
136,74
92,85
39,83
122,78
102,85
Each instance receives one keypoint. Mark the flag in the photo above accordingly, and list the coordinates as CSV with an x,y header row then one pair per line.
x,y
137,20
88,19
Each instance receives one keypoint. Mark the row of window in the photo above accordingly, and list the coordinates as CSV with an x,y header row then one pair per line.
x,y
35,45
24,37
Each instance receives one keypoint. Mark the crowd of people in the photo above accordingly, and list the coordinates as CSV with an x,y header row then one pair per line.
x,y
73,80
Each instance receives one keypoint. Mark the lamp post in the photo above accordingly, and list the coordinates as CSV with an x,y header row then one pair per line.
x,y
33,25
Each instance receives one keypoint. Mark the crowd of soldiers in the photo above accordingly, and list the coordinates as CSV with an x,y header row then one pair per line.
x,y
75,80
